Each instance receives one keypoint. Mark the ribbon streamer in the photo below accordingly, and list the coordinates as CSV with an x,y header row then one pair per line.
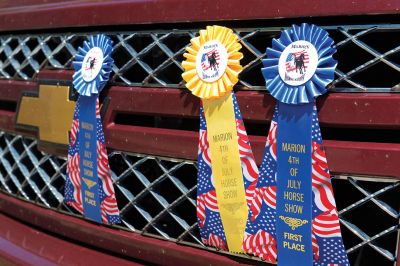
x,y
208,211
260,238
89,187
293,218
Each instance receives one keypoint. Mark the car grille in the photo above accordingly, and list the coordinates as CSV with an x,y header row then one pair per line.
x,y
156,197
368,56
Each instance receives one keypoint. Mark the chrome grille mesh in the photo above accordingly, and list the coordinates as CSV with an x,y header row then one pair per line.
x,y
369,57
156,196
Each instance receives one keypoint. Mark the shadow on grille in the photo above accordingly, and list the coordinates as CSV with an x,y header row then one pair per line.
x,y
156,197
368,56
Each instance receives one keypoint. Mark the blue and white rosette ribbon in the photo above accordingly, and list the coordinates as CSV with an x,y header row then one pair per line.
x,y
293,210
89,187
91,76
321,65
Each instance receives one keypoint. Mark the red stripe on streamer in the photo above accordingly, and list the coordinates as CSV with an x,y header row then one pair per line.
x,y
319,155
269,196
77,206
321,185
201,210
250,191
206,200
97,108
204,147
263,194
256,204
210,200
74,173
262,244
215,241
249,166
271,139
315,247
104,216
326,225
109,205
246,153
103,169
74,130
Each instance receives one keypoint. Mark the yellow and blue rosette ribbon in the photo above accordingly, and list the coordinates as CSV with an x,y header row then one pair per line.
x,y
89,187
227,172
293,218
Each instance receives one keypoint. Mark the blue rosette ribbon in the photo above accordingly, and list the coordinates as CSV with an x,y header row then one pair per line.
x,y
324,73
92,85
89,186
293,218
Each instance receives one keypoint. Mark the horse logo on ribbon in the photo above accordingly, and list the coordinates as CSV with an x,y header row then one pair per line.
x,y
297,62
210,60
90,63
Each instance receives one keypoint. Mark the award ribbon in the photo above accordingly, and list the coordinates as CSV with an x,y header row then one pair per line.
x,y
225,156
293,218
89,187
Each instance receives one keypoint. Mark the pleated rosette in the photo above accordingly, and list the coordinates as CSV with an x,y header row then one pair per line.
x,y
200,78
318,63
91,76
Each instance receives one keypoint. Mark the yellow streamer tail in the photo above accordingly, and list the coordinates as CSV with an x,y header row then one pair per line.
x,y
226,168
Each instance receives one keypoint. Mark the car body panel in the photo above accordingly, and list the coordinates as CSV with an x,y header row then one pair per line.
x,y
60,14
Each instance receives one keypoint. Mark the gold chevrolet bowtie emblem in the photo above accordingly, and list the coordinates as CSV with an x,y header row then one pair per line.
x,y
51,112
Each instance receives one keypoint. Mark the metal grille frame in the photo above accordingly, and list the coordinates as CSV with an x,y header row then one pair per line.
x,y
153,58
157,195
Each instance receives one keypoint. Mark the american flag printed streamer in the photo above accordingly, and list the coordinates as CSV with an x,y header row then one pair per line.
x,y
208,216
327,244
73,197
